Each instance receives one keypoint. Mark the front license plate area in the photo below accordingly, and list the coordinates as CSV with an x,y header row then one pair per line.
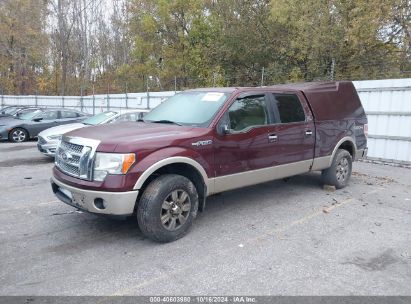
x,y
66,193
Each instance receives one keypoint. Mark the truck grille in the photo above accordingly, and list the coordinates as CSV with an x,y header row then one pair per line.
x,y
75,159
69,169
72,148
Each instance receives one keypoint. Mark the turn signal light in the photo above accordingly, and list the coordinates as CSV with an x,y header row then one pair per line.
x,y
128,161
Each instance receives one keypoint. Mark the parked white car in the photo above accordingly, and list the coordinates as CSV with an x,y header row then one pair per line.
x,y
49,139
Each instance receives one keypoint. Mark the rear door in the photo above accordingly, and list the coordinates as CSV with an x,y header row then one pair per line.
x,y
294,132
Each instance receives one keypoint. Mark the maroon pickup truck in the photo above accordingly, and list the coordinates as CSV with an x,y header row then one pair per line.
x,y
205,141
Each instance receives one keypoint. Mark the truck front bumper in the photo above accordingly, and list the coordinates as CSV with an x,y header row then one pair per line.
x,y
101,202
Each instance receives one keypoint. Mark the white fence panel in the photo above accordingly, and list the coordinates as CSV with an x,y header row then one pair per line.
x,y
388,107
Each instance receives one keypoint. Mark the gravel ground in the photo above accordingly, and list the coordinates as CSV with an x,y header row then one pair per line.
x,y
278,238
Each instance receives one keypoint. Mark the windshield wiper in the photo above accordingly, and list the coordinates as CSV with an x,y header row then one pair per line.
x,y
165,121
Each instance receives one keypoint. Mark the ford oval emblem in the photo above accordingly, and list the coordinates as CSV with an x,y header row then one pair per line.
x,y
66,156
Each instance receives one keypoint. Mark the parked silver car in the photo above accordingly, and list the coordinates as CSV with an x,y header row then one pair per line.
x,y
49,139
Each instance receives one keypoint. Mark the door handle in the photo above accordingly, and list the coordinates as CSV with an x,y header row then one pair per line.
x,y
272,137
308,132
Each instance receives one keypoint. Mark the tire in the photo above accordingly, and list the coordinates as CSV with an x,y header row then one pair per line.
x,y
18,135
339,173
168,199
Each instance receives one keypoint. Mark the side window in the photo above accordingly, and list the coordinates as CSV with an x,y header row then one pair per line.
x,y
68,114
248,112
49,115
289,108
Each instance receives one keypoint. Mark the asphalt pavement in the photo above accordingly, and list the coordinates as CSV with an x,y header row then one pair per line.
x,y
279,238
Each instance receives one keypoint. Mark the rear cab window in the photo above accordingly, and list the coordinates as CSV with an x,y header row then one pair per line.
x,y
288,108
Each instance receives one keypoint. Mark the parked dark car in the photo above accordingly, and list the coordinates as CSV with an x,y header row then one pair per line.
x,y
205,141
30,124
15,111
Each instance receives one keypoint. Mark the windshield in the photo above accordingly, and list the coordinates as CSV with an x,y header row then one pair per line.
x,y
188,108
99,118
29,115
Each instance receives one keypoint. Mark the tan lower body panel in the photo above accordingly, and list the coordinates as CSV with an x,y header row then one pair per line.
x,y
321,163
243,179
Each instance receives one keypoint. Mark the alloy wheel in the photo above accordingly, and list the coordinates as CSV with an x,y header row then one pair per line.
x,y
18,136
343,168
175,210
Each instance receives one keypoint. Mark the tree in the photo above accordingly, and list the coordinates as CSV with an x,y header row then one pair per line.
x,y
23,44
345,37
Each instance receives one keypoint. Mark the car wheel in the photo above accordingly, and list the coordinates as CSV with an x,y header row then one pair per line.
x,y
167,208
339,173
18,135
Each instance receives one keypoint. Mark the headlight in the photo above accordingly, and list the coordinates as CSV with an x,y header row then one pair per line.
x,y
112,163
55,137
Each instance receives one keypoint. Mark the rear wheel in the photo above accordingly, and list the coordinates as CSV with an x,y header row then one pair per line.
x,y
339,173
18,135
167,208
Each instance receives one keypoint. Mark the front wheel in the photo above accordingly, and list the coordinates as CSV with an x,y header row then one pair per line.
x,y
167,208
339,173
18,135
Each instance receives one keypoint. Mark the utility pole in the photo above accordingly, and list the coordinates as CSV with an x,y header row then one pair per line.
x,y
214,78
262,77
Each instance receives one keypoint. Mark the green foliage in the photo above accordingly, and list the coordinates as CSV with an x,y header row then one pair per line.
x,y
22,45
230,42
163,44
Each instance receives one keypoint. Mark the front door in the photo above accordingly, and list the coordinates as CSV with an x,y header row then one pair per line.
x,y
49,118
245,145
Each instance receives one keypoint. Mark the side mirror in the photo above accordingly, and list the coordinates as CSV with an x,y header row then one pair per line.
x,y
38,119
226,129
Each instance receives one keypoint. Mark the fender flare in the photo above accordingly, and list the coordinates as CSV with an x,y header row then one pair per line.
x,y
340,142
173,160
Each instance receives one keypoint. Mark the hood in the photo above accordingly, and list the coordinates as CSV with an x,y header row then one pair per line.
x,y
59,130
121,136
